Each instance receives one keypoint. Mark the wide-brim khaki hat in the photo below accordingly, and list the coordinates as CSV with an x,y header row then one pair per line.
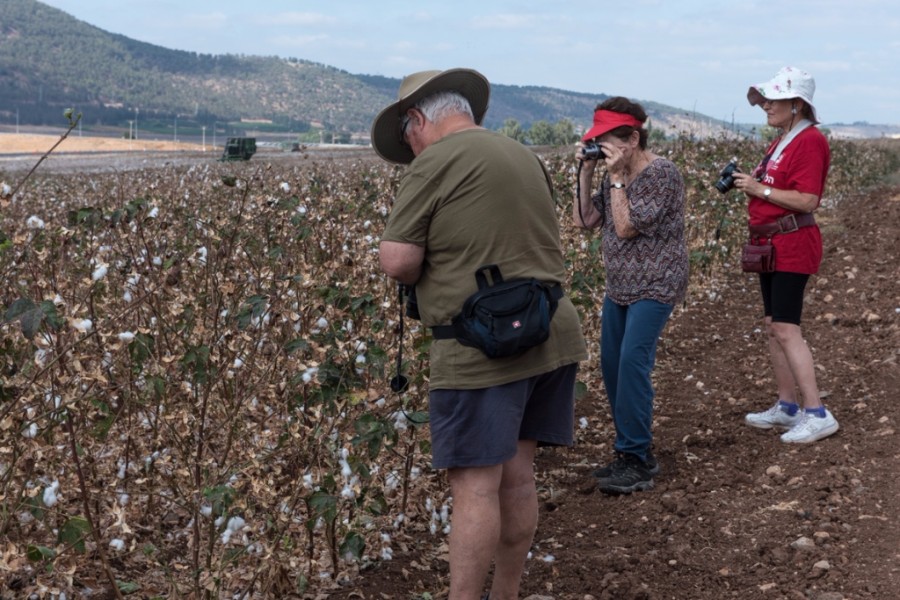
x,y
386,128
788,83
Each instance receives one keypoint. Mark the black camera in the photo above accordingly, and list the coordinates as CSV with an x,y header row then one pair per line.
x,y
592,151
726,177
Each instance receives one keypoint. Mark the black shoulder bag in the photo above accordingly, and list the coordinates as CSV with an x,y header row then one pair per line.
x,y
503,318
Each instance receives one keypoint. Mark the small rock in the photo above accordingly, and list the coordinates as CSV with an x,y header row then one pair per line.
x,y
822,564
821,536
803,543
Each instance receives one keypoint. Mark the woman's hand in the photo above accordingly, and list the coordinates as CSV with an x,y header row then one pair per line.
x,y
616,162
748,184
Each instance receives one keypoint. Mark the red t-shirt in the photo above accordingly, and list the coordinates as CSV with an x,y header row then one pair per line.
x,y
802,166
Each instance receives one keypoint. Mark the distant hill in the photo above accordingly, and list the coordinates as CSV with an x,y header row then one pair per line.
x,y
50,61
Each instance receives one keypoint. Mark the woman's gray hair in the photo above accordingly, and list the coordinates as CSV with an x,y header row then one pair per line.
x,y
440,105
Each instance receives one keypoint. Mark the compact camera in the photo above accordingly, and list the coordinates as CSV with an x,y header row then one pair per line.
x,y
592,151
726,177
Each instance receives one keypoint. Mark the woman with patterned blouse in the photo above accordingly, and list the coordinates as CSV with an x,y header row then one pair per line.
x,y
640,210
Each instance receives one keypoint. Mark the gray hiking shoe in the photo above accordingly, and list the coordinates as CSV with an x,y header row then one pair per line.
x,y
777,416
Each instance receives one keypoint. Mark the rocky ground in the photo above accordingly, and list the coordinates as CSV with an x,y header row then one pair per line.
x,y
735,512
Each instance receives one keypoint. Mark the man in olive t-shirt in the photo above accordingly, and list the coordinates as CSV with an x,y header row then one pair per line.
x,y
473,197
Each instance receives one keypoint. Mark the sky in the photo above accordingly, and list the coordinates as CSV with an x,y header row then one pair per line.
x,y
697,55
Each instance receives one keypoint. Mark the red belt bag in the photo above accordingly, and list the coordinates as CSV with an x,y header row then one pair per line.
x,y
758,255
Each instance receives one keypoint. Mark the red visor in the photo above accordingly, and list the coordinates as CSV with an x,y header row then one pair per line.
x,y
607,120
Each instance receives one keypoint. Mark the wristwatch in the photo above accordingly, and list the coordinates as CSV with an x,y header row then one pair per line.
x,y
767,192
619,185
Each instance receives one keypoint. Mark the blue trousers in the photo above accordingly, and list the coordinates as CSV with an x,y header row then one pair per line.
x,y
628,337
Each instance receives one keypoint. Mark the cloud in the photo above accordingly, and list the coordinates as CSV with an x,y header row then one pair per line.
x,y
299,40
295,19
504,21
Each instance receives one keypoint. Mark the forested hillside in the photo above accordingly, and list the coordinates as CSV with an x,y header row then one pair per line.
x,y
50,61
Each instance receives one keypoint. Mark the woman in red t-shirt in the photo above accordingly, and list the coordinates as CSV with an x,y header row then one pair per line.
x,y
784,190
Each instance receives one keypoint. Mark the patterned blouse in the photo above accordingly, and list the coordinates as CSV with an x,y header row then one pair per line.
x,y
652,265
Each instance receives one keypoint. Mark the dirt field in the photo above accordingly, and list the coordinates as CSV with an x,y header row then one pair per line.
x,y
12,143
735,513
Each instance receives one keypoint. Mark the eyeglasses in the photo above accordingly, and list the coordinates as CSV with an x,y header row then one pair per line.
x,y
404,123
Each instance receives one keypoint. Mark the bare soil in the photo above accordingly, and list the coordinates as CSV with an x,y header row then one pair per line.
x,y
735,512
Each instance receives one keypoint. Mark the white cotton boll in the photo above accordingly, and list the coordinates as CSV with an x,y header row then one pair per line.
x,y
157,261
154,212
5,190
322,323
360,359
361,346
445,514
82,325
35,222
400,422
238,363
301,209
308,481
126,336
285,187
40,357
50,496
348,492
31,431
100,272
387,553
235,523
345,469
583,422
414,473
202,252
380,402
391,481
206,510
310,374
123,499
549,558
117,544
218,522
226,536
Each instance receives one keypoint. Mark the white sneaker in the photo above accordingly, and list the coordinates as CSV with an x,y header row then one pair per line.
x,y
811,428
774,417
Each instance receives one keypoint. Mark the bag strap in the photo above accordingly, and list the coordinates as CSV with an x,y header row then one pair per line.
x,y
448,332
482,281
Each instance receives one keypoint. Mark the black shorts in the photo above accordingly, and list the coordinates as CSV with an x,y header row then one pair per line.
x,y
782,295
482,427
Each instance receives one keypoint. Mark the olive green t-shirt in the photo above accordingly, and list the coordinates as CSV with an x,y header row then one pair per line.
x,y
475,198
